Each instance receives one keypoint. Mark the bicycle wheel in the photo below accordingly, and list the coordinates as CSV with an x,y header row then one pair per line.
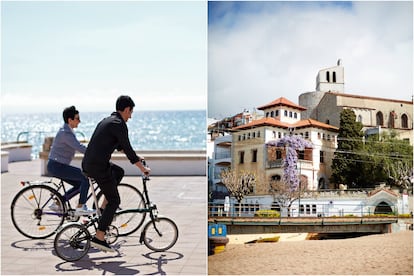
x,y
161,237
30,212
131,198
72,242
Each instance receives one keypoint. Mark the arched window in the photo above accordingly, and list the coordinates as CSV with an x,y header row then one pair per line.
x,y
360,118
327,76
404,121
392,120
322,184
383,208
271,114
380,119
276,177
334,77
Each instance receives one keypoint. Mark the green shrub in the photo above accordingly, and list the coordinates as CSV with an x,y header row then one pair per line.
x,y
267,214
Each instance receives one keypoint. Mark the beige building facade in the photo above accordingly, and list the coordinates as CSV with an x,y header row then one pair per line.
x,y
282,117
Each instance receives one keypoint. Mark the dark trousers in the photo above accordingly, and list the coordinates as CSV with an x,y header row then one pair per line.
x,y
73,176
108,181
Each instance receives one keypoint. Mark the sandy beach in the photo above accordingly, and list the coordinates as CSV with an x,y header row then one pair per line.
x,y
385,254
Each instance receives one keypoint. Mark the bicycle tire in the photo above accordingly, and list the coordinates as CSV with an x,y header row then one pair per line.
x,y
131,198
163,242
30,214
72,242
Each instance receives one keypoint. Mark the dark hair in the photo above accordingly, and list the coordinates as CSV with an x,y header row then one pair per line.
x,y
123,102
69,112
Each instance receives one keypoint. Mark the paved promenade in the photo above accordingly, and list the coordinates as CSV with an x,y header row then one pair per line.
x,y
182,199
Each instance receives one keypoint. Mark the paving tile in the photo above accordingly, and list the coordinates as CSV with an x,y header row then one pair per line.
x,y
179,198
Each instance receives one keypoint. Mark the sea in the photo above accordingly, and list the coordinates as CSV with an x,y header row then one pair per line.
x,y
148,130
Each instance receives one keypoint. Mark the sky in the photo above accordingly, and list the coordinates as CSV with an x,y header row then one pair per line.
x,y
260,51
86,53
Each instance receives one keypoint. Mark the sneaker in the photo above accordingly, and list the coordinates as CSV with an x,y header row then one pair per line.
x,y
55,207
84,211
102,245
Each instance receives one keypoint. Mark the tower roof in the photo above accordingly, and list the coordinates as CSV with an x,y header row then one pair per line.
x,y
281,102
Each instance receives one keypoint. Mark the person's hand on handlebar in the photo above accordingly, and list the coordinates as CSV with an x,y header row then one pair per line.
x,y
143,166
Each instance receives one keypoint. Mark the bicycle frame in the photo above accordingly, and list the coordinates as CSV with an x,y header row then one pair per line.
x,y
149,208
58,187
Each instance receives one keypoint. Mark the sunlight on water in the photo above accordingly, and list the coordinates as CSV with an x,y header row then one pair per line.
x,y
148,130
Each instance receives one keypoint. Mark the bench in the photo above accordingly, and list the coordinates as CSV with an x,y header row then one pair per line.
x,y
18,151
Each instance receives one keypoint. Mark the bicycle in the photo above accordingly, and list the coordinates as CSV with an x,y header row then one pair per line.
x,y
72,241
32,218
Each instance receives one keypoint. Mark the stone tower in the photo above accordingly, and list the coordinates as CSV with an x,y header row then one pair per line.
x,y
327,80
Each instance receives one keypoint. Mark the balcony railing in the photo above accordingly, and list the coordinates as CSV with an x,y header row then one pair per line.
x,y
270,164
222,155
308,209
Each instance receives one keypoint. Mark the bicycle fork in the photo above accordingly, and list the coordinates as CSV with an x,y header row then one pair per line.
x,y
153,216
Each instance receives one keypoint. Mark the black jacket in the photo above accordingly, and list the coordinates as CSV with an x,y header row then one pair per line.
x,y
110,134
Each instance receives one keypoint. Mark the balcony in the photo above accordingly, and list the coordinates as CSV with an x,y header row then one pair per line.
x,y
270,164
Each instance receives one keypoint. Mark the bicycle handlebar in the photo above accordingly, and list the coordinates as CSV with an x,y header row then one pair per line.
x,y
144,176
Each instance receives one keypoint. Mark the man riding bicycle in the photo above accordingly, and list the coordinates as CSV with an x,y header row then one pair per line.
x,y
110,134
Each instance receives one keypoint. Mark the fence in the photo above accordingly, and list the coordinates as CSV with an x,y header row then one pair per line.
x,y
305,210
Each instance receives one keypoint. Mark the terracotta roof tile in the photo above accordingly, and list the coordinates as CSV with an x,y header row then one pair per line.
x,y
283,102
368,97
313,123
269,121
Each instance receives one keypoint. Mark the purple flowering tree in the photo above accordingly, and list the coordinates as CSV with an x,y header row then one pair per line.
x,y
288,189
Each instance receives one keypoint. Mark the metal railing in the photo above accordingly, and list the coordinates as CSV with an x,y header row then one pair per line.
x,y
305,210
36,138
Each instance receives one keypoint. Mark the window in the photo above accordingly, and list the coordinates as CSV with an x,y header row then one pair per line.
x,y
258,134
391,122
301,154
286,113
295,115
327,76
278,154
380,119
271,114
404,121
254,155
321,157
360,118
241,157
277,113
279,135
239,137
274,134
306,135
267,114
276,177
308,210
334,77
290,114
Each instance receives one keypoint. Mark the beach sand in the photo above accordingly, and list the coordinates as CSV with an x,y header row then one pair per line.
x,y
385,254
